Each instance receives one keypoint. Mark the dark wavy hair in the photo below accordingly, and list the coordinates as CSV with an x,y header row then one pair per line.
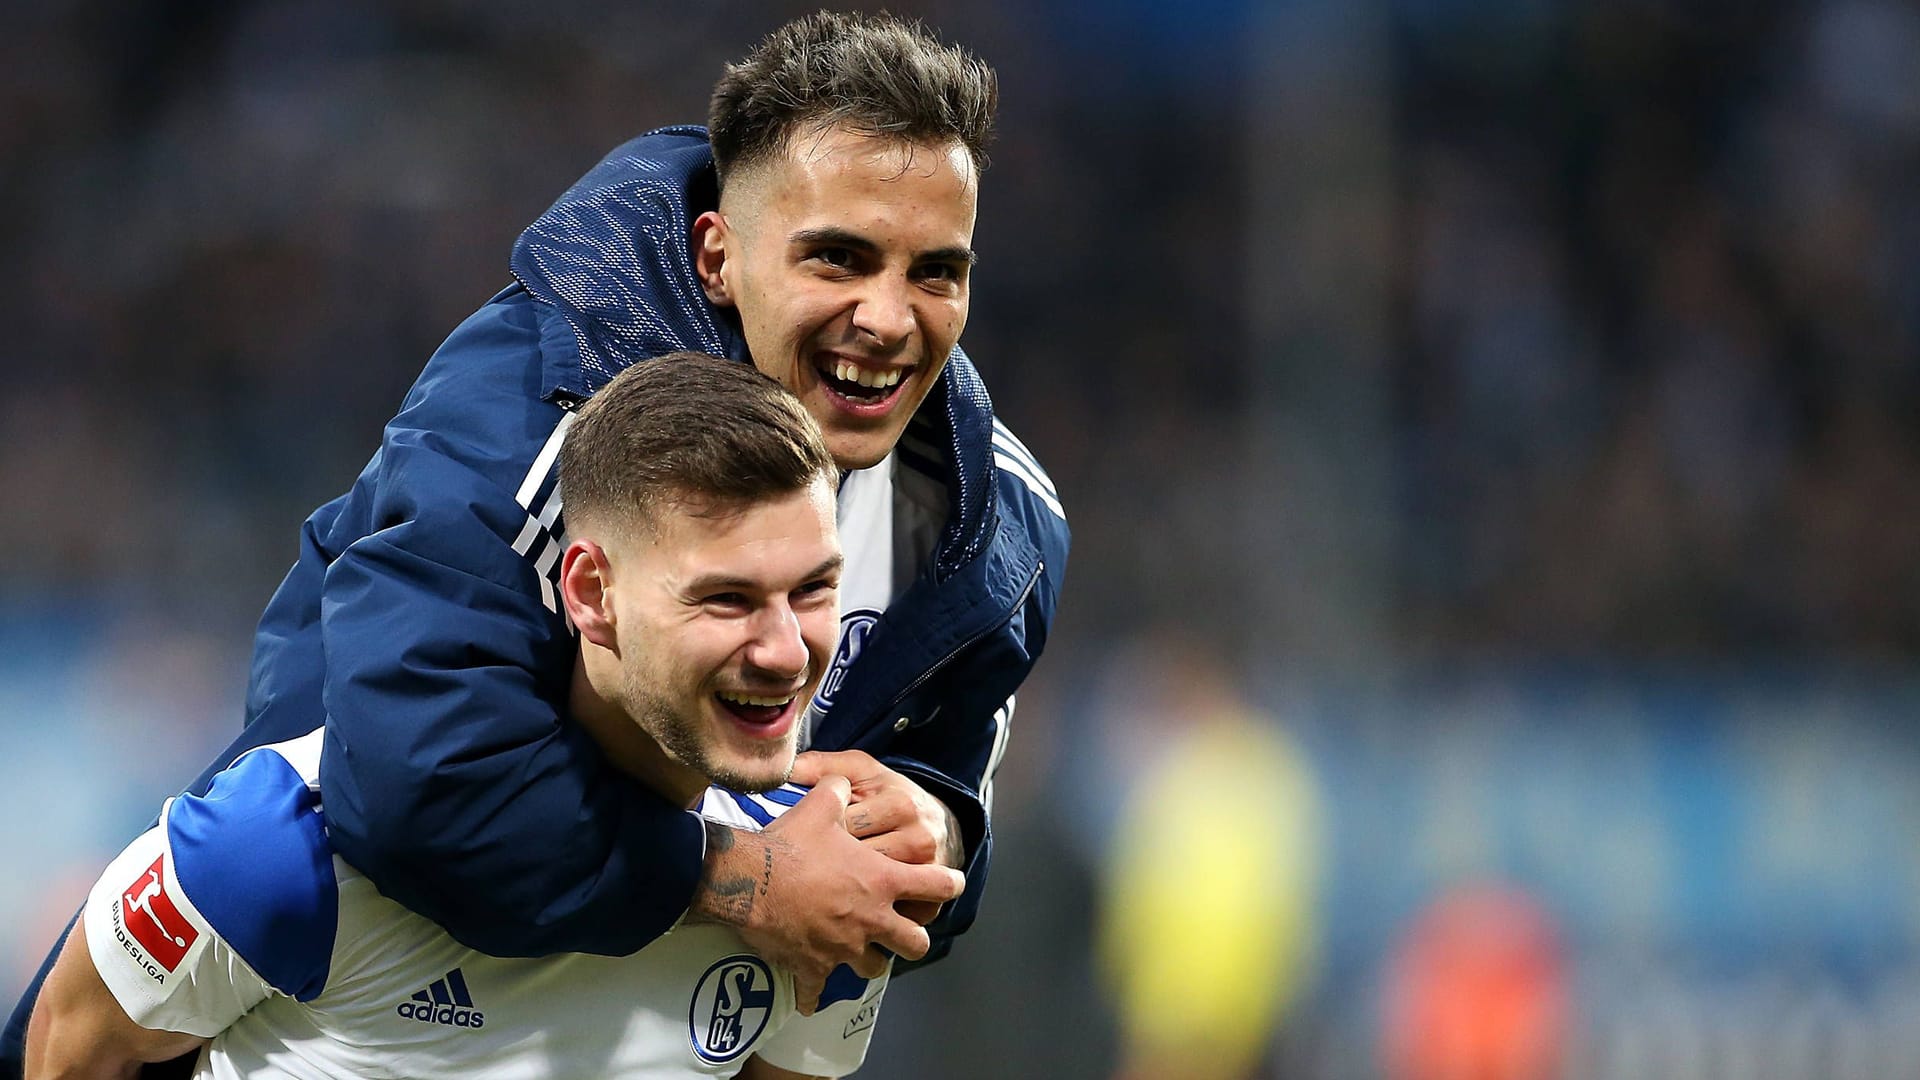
x,y
874,74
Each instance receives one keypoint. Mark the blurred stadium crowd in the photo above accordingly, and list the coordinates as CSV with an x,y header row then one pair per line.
x,y
1658,327
1644,374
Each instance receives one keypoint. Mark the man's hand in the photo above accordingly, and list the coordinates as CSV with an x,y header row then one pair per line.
x,y
892,815
889,812
809,897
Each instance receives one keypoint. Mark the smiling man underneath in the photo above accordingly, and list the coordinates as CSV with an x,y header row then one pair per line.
x,y
703,577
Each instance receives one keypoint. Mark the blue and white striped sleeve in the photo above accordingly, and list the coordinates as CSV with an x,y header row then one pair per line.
x,y
230,900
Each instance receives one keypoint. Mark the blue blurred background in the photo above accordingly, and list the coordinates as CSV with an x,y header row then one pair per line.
x,y
1489,429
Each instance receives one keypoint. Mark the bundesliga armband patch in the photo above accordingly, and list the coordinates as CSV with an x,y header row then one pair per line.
x,y
142,930
148,924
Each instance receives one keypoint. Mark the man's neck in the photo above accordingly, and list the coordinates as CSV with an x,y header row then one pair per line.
x,y
627,746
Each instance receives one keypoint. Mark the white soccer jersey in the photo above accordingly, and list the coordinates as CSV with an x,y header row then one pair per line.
x,y
233,919
889,518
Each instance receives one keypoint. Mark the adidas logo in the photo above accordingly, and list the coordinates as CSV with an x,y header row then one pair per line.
x,y
444,1001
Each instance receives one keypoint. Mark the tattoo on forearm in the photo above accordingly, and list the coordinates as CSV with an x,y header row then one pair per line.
x,y
728,901
724,899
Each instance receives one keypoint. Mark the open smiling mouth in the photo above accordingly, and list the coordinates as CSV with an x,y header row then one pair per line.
x,y
862,388
754,709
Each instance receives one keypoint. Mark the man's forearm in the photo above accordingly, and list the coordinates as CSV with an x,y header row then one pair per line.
x,y
732,881
78,1028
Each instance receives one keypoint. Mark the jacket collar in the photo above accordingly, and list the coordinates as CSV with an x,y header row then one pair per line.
x,y
958,416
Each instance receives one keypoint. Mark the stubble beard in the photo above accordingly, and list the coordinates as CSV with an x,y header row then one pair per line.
x,y
681,738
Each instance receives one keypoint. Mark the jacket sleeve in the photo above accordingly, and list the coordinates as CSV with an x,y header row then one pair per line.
x,y
448,777
976,828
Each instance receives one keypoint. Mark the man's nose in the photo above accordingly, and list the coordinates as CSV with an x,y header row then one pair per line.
x,y
885,310
777,647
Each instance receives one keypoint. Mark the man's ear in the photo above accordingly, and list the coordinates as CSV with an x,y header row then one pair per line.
x,y
710,239
586,581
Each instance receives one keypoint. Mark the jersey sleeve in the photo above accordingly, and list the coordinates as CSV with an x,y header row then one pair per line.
x,y
229,900
833,1041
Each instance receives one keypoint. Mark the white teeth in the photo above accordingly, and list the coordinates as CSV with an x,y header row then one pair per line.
x,y
854,373
749,699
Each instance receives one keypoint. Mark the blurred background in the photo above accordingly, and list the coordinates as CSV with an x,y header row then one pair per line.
x,y
1492,643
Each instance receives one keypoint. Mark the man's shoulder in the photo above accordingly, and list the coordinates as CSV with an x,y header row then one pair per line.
x,y
227,901
613,258
1021,474
494,360
981,440
251,855
485,417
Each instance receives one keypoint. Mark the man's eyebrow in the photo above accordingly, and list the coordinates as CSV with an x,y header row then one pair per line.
x,y
735,583
962,255
833,236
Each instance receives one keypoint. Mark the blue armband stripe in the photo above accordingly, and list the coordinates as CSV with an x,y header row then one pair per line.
x,y
252,856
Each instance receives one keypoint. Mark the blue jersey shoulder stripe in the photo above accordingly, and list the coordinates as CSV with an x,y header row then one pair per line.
x,y
252,855
754,810
785,795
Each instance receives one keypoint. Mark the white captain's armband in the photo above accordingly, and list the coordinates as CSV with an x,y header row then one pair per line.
x,y
157,953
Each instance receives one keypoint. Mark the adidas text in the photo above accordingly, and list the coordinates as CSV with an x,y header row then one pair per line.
x,y
450,1015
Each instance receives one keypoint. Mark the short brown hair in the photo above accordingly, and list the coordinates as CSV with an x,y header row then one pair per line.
x,y
687,429
873,74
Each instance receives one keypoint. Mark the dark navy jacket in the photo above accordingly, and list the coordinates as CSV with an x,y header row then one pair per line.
x,y
420,622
